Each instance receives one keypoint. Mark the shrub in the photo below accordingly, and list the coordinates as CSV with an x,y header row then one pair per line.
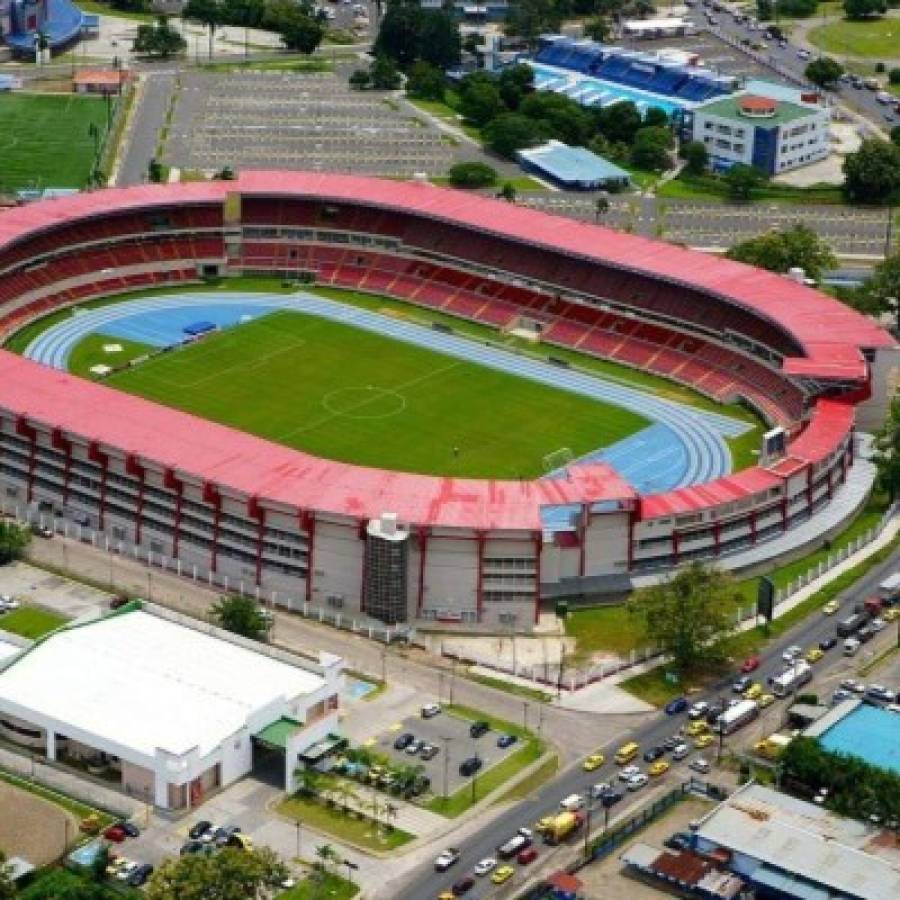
x,y
472,175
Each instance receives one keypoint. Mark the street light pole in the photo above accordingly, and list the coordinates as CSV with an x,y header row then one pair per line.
x,y
299,826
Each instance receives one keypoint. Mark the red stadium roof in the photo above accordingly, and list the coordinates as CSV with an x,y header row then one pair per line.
x,y
823,326
207,452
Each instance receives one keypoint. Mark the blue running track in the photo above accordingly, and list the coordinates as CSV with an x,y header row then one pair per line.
x,y
683,446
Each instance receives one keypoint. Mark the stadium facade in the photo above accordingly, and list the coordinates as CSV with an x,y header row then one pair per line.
x,y
220,505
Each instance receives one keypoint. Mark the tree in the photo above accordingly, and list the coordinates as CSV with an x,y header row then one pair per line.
x,y
742,180
240,615
514,82
887,451
326,854
529,18
656,116
13,541
230,874
155,171
880,294
598,28
425,82
360,79
384,74
824,71
618,122
894,76
651,149
479,101
695,156
398,34
472,175
300,30
439,42
508,192
7,885
560,117
310,781
781,251
99,864
206,12
895,135
872,174
863,9
158,39
689,615
510,132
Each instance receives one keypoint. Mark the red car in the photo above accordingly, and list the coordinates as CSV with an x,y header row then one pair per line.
x,y
528,855
115,833
750,664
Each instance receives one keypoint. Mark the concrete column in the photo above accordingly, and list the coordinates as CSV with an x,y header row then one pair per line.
x,y
51,745
160,791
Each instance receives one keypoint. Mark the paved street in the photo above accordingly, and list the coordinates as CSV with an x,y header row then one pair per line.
x,y
147,119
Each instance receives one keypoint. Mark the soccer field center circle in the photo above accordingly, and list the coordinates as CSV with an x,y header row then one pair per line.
x,y
682,447
369,402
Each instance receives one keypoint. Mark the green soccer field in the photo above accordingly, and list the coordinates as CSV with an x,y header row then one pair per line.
x,y
45,139
347,394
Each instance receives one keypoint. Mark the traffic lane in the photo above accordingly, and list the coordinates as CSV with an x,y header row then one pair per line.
x,y
423,883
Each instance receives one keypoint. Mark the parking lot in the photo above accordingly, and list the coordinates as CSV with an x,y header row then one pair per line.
x,y
285,120
450,734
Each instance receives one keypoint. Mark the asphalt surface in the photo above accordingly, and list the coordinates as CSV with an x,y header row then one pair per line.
x,y
146,124
426,884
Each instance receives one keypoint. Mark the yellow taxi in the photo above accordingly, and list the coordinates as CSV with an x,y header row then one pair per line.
x,y
504,873
831,607
696,728
814,655
754,692
765,700
890,614
446,895
594,761
660,767
543,824
703,741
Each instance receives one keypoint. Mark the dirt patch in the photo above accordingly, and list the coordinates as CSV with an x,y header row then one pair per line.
x,y
609,880
32,827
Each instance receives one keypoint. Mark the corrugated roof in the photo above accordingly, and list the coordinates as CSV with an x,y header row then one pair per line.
x,y
572,164
250,466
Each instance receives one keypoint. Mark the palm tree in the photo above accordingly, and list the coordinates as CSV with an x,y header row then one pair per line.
x,y
344,794
390,815
326,853
310,781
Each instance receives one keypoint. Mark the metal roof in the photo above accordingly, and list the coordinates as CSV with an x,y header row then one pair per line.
x,y
572,164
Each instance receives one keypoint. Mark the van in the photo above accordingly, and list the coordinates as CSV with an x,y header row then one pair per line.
x,y
627,753
851,646
572,803
889,589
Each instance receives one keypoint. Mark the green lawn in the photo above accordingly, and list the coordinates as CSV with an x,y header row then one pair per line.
x,y
875,38
341,825
78,809
344,393
104,9
321,885
31,622
604,628
713,188
45,141
520,690
89,352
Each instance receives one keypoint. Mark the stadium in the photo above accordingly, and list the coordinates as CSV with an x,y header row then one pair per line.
x,y
439,408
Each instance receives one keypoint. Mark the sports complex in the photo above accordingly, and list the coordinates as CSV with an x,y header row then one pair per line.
x,y
410,404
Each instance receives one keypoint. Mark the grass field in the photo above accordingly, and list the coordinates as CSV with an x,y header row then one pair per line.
x,y
876,38
346,394
31,622
44,139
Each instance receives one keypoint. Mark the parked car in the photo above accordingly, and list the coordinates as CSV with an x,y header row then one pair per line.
x,y
485,866
698,710
681,751
636,782
446,858
715,711
840,695
115,833
814,654
414,747
699,765
430,710
653,753
831,607
477,729
140,875
404,740
124,872
877,624
880,693
224,834
678,841
750,664
851,684
470,766
428,751
506,740
676,706
129,828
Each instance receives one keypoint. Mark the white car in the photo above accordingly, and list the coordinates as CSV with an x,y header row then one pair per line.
x,y
526,832
125,870
629,772
681,751
446,859
430,710
485,866
699,765
636,782
791,653
572,803
698,710
8,602
599,789
877,624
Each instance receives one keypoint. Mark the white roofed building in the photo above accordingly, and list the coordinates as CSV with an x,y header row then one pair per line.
x,y
176,707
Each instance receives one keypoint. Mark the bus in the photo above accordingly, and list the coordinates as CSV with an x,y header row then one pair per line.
x,y
791,679
735,716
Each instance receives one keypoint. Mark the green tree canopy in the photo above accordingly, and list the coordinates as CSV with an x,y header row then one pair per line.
x,y
695,156
360,79
472,175
650,149
618,122
510,132
14,540
529,18
863,9
887,451
872,174
206,12
240,615
408,33
514,82
598,28
7,885
230,874
425,81
297,24
742,180
158,39
780,251
824,71
384,74
880,293
689,615
560,117
479,101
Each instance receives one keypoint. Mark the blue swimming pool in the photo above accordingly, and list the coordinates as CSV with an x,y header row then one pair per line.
x,y
870,733
356,689
596,92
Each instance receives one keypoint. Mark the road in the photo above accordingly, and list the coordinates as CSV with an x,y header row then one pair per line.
x,y
425,884
147,120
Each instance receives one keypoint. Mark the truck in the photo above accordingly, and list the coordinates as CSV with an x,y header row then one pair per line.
x,y
792,678
735,716
773,746
849,626
513,846
561,826
889,589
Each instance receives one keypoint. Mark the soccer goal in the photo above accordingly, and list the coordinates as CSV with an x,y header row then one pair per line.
x,y
557,460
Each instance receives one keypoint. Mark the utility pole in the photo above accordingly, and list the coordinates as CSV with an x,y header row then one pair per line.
x,y
447,741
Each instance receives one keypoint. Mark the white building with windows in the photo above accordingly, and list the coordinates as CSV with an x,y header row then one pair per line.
x,y
773,134
175,707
